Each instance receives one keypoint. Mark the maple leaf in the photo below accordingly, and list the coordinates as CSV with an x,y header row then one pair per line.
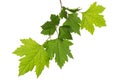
x,y
33,55
50,26
55,19
93,17
59,48
63,13
64,32
74,22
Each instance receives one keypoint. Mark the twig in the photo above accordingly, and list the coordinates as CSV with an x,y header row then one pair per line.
x,y
48,37
61,3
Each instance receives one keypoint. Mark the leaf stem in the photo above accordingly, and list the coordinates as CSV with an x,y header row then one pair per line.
x,y
48,37
57,31
61,4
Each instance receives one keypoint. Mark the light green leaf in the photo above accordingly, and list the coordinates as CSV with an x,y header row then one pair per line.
x,y
74,22
32,55
93,17
60,49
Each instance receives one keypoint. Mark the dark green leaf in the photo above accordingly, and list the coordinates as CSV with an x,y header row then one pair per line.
x,y
55,19
63,13
48,28
64,32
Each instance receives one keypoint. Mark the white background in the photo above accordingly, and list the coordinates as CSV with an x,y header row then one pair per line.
x,y
96,57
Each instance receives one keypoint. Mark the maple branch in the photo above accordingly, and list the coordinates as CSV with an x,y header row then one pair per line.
x,y
61,3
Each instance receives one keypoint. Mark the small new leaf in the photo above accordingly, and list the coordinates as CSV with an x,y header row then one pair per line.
x,y
63,13
93,17
74,22
60,49
73,10
50,26
55,19
33,55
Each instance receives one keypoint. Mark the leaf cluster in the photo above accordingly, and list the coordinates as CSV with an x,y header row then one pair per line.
x,y
35,55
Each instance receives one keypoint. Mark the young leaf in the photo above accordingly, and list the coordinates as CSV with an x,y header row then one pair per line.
x,y
50,26
93,17
74,22
73,10
55,19
64,32
63,13
33,55
59,48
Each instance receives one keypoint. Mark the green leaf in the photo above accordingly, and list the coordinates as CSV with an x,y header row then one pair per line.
x,y
63,13
73,10
50,26
32,55
74,22
55,19
93,17
60,49
64,32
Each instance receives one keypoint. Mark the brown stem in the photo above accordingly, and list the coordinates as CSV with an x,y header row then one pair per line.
x,y
48,37
61,3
